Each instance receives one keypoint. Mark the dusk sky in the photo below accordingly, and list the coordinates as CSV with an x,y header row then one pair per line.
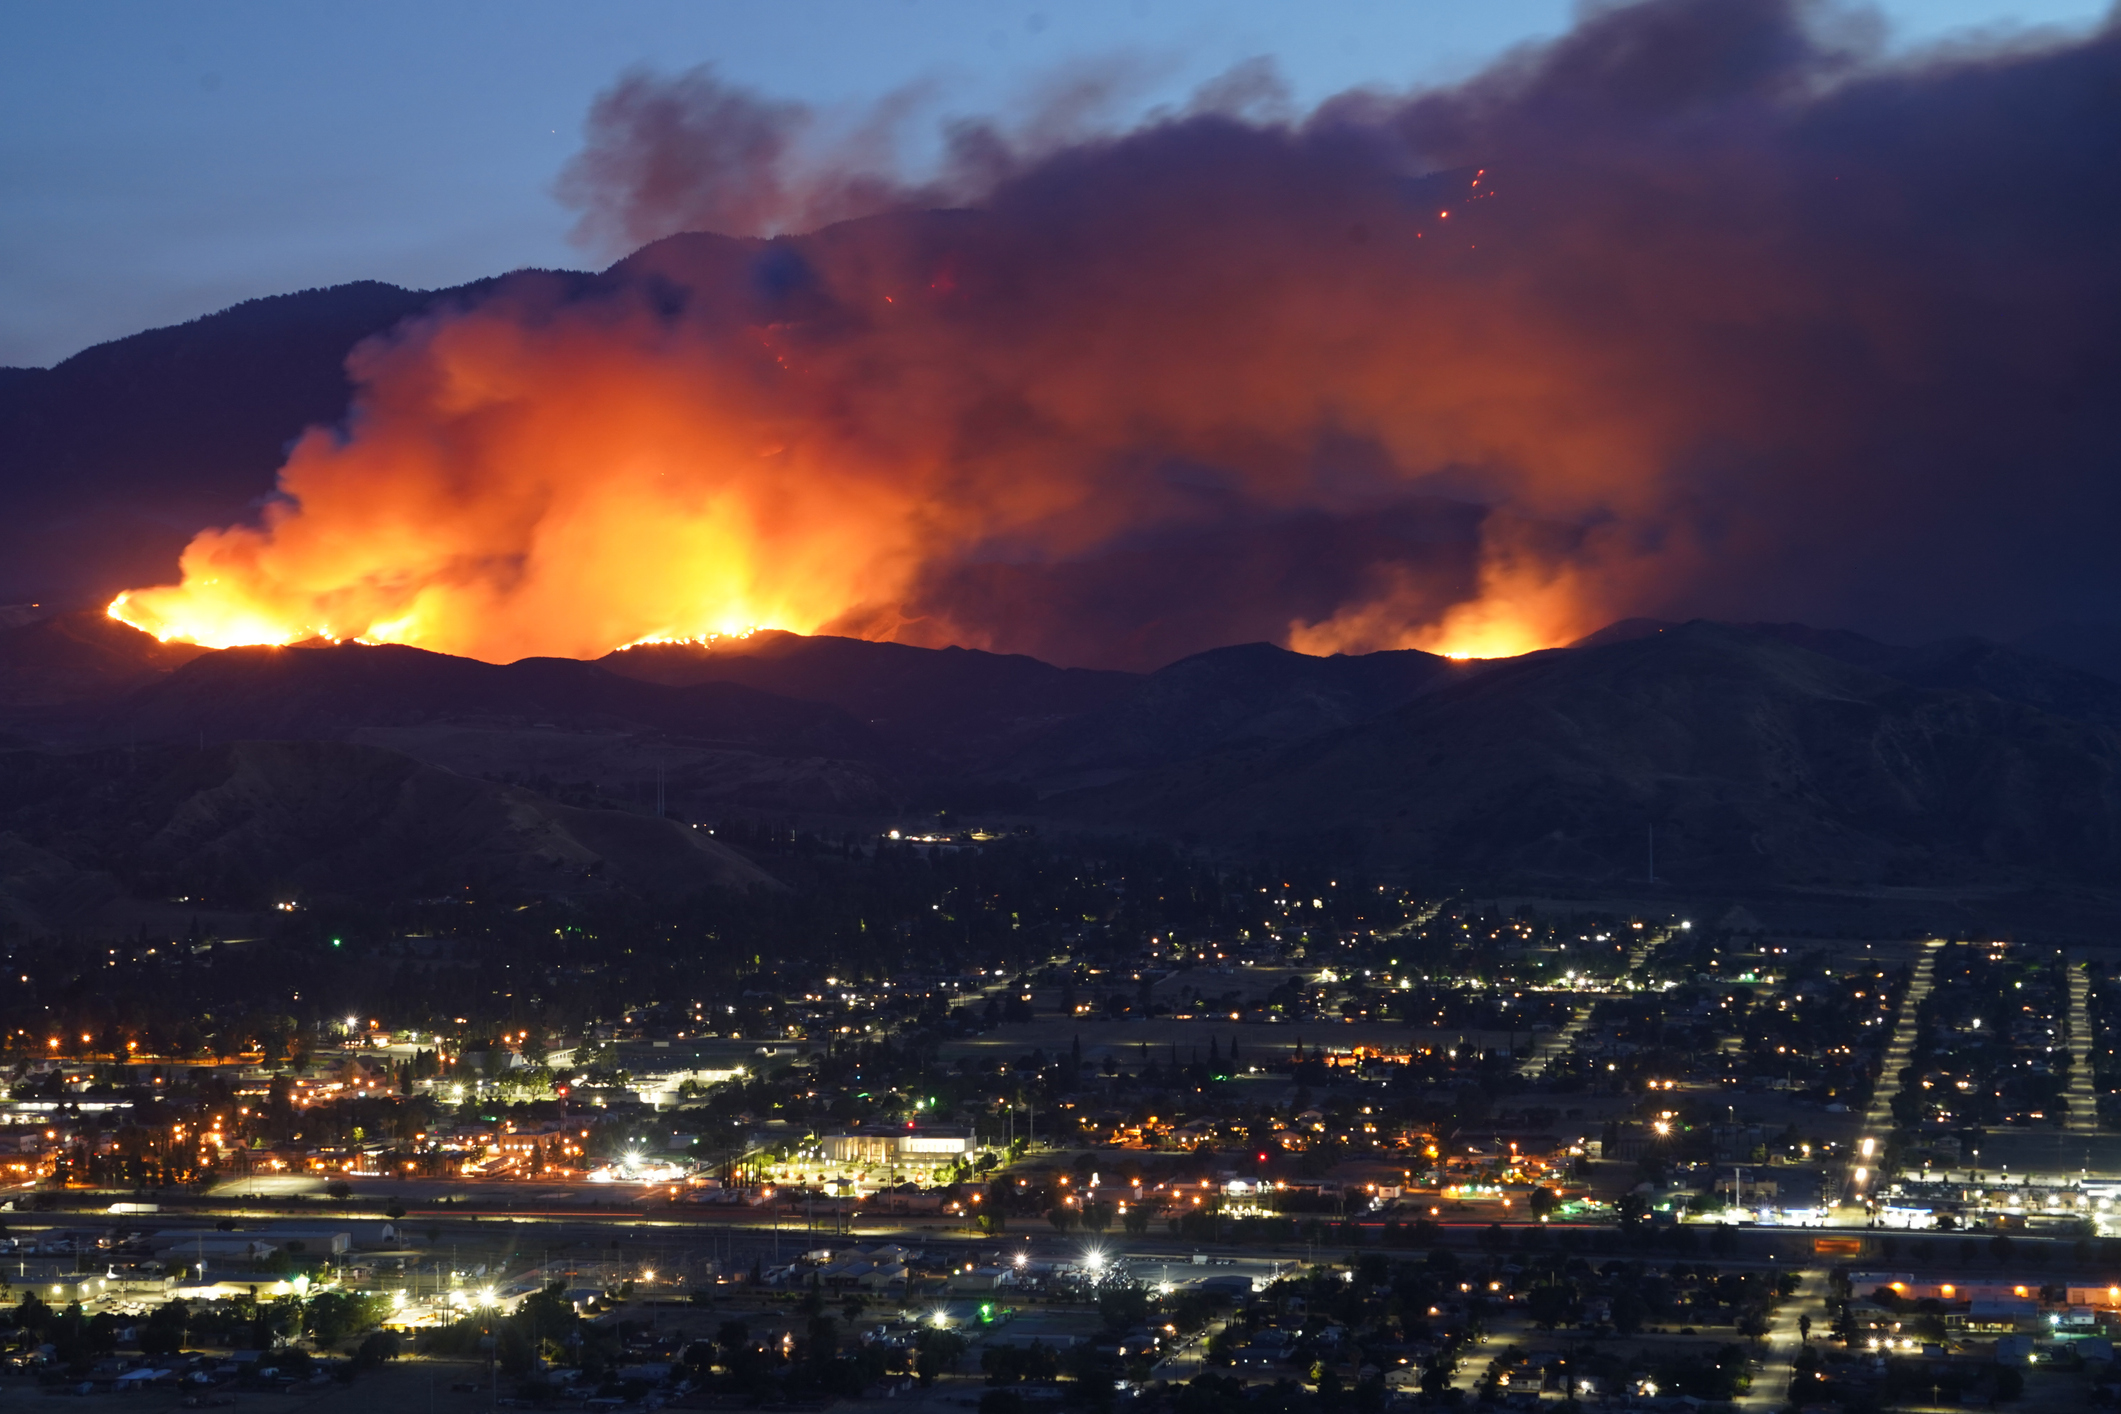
x,y
161,162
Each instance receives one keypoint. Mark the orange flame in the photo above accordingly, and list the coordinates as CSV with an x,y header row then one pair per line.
x,y
508,497
1666,323
553,473
1526,602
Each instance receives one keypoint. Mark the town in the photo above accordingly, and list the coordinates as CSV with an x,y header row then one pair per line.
x,y
1025,1120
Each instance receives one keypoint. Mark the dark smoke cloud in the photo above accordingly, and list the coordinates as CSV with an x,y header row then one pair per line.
x,y
1728,316
694,153
1865,314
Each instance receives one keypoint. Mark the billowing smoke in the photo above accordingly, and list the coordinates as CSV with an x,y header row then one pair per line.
x,y
1703,309
695,153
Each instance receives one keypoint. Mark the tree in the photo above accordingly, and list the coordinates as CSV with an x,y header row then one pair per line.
x,y
1552,1304
1804,1327
162,1333
340,1189
1123,1305
1631,1210
378,1347
332,1316
936,1352
547,1315
102,1333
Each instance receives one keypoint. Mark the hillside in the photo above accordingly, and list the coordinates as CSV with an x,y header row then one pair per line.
x,y
326,692
256,822
111,460
953,704
1249,694
1764,755
1755,760
86,656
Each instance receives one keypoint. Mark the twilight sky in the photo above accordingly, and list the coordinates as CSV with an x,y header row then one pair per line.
x,y
160,161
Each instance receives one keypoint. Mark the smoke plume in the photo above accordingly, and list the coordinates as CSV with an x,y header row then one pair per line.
x,y
1702,309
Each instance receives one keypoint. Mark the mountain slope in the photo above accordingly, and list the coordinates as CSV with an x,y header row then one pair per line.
x,y
252,822
327,692
955,703
80,657
2090,648
1756,760
1248,693
2011,673
111,460
2020,672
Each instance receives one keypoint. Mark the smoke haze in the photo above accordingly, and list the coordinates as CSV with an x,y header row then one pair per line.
x,y
1702,310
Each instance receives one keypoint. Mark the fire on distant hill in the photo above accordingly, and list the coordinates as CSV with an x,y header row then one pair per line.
x,y
1696,311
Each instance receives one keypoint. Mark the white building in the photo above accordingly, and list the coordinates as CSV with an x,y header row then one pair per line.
x,y
898,1148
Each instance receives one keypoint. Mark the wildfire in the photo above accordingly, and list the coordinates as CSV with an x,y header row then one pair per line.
x,y
518,491
700,640
985,428
545,476
1524,604
1604,331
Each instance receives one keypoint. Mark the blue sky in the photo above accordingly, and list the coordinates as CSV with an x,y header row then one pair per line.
x,y
160,161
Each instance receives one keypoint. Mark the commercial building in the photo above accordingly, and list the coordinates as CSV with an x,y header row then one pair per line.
x,y
898,1148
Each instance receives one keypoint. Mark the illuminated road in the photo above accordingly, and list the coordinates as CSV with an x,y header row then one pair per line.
x,y
1771,1386
1878,1118
1559,1043
2083,1100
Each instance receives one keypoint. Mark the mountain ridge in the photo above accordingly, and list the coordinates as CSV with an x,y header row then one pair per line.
x,y
1755,759
1764,755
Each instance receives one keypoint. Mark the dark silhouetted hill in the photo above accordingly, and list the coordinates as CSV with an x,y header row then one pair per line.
x,y
2019,672
113,459
250,823
955,704
329,692
83,656
1252,693
1831,642
2011,673
2091,648
1756,760
1769,755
